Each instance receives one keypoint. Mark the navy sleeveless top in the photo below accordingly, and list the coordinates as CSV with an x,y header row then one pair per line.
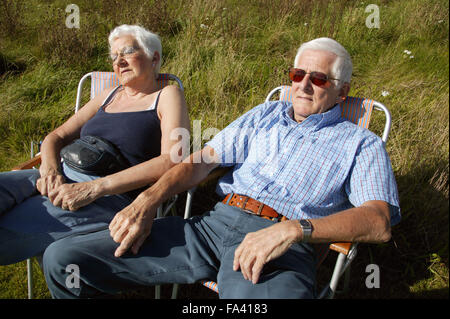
x,y
136,134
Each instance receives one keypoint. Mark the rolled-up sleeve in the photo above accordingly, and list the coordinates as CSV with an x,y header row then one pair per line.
x,y
372,178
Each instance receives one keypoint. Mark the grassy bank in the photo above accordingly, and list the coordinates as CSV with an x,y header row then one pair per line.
x,y
229,55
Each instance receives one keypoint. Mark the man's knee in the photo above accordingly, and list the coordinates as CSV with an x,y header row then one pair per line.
x,y
62,270
57,256
79,266
55,260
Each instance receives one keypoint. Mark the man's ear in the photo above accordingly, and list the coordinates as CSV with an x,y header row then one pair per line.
x,y
343,92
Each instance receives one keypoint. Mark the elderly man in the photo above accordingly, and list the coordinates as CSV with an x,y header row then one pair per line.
x,y
321,179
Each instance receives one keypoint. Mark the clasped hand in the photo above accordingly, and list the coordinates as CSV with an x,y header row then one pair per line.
x,y
49,181
67,196
74,196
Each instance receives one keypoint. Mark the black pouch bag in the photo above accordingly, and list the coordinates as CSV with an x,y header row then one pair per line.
x,y
93,155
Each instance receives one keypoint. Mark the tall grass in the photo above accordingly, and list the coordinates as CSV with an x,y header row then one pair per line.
x,y
229,55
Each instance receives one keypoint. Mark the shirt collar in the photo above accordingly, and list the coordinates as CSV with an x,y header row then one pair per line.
x,y
315,122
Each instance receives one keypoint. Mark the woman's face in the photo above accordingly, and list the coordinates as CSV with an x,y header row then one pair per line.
x,y
130,62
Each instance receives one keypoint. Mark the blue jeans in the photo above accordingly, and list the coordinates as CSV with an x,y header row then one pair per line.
x,y
179,251
29,222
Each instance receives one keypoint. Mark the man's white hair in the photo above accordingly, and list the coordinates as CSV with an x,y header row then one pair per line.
x,y
148,41
342,67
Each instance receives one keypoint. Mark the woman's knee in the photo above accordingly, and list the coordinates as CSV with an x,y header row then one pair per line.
x,y
16,186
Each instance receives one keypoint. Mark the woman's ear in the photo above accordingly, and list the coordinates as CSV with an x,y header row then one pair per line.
x,y
155,58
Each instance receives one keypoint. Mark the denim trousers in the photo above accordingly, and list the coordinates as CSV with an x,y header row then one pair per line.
x,y
29,222
178,251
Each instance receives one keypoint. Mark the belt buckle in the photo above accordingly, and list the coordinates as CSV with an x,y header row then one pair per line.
x,y
258,213
249,211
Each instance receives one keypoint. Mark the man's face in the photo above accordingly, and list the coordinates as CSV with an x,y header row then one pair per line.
x,y
309,98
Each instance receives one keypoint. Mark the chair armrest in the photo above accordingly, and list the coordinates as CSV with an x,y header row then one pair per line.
x,y
341,247
28,164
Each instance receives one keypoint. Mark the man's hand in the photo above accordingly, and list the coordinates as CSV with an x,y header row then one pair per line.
x,y
49,181
74,196
132,225
260,247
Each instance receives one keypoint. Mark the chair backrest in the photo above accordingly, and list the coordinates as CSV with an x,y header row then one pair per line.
x,y
104,80
354,109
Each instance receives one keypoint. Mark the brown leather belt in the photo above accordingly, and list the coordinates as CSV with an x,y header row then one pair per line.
x,y
253,206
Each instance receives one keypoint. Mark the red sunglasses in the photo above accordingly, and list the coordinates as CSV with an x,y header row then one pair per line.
x,y
317,78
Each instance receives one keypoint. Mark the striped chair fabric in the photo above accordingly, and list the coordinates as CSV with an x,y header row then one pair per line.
x,y
210,284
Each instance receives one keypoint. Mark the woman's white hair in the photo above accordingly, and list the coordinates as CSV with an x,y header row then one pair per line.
x,y
148,41
342,67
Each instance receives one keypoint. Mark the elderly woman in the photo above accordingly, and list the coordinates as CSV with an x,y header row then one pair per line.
x,y
38,207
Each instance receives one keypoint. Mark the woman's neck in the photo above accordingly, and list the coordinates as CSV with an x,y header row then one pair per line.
x,y
139,89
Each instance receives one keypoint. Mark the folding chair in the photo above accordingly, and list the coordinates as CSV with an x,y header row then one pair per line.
x,y
358,111
99,82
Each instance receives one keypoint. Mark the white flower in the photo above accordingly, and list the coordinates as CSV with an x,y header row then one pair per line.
x,y
385,93
306,23
411,56
407,52
203,26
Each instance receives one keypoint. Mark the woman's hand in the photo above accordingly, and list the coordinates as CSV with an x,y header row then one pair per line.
x,y
75,196
50,180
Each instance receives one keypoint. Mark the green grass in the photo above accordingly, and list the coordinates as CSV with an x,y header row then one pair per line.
x,y
229,55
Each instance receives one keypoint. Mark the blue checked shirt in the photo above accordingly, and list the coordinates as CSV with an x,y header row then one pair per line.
x,y
321,166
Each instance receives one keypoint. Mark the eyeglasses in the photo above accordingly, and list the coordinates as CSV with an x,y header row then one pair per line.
x,y
125,52
317,78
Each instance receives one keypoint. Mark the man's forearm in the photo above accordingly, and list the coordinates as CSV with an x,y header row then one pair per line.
x,y
178,179
367,223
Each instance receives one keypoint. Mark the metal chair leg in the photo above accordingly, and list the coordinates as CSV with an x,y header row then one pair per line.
x,y
30,278
29,260
174,291
336,274
347,279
